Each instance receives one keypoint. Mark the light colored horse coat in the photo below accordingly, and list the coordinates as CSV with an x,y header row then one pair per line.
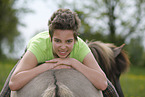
x,y
59,83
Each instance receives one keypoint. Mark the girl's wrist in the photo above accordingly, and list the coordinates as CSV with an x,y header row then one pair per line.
x,y
74,63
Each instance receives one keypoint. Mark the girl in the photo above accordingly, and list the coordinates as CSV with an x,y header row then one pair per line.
x,y
58,48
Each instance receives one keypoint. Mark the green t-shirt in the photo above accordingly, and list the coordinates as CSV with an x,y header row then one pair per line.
x,y
41,46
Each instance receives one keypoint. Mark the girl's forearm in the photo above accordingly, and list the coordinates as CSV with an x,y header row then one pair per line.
x,y
97,78
20,79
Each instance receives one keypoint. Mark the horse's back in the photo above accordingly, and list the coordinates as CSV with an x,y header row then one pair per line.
x,y
62,82
36,86
77,83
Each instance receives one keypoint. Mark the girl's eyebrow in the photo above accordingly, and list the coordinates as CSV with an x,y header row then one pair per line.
x,y
56,38
70,39
60,39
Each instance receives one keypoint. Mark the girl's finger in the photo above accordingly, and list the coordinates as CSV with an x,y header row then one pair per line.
x,y
51,61
62,67
55,65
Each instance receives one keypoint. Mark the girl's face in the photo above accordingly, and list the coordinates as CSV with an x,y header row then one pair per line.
x,y
63,42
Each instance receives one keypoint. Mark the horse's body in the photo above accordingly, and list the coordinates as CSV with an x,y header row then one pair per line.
x,y
59,83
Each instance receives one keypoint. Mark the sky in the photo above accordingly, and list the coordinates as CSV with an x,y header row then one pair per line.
x,y
37,21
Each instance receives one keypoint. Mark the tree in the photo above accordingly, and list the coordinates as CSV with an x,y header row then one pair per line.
x,y
9,22
116,19
136,52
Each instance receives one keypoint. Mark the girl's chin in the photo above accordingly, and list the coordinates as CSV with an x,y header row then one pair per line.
x,y
63,56
60,56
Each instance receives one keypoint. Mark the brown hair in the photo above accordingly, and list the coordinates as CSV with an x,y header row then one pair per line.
x,y
64,19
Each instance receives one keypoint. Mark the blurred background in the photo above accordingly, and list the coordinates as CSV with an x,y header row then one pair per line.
x,y
109,21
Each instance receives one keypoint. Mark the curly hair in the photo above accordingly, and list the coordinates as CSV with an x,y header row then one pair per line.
x,y
64,19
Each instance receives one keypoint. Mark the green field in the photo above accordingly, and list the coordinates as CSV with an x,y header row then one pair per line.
x,y
132,82
5,69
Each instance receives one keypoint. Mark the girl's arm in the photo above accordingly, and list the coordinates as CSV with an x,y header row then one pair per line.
x,y
27,70
92,71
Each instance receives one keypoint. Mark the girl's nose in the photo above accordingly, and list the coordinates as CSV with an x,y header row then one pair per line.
x,y
63,46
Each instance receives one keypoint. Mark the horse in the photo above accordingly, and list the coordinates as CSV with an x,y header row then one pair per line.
x,y
59,83
113,61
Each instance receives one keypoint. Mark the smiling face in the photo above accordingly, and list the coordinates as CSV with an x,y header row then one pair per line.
x,y
63,42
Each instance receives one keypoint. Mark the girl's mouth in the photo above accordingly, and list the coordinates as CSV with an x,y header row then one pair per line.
x,y
62,53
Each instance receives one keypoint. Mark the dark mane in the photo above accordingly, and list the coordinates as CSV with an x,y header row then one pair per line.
x,y
103,55
111,63
122,59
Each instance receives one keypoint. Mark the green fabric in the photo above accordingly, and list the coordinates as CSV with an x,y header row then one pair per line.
x,y
41,46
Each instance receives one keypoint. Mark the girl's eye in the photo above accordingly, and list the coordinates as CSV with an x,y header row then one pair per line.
x,y
57,40
69,41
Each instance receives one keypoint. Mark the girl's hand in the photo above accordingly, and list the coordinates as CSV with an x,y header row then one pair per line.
x,y
50,65
63,62
63,67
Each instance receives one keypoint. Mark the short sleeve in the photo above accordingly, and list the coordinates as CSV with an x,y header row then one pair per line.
x,y
40,46
34,47
80,50
83,50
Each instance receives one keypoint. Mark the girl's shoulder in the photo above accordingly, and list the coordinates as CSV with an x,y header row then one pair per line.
x,y
40,39
80,42
41,35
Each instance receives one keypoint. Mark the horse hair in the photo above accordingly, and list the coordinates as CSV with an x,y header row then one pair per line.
x,y
113,65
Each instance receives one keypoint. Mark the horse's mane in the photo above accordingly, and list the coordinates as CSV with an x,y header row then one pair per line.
x,y
122,59
102,54
113,65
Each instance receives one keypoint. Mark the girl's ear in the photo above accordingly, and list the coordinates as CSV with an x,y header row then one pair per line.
x,y
75,41
117,50
50,39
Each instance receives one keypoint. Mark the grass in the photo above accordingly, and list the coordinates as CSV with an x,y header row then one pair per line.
x,y
132,82
5,69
